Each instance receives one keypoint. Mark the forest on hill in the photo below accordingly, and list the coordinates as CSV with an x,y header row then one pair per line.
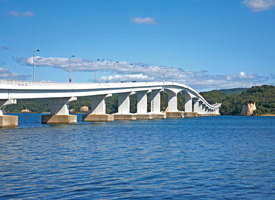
x,y
231,99
263,96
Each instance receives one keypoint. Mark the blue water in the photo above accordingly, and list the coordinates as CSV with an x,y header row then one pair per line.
x,y
192,158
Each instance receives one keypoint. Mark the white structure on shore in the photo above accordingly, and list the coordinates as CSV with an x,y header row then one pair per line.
x,y
60,94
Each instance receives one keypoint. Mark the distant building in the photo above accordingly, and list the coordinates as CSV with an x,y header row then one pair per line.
x,y
72,110
84,109
25,111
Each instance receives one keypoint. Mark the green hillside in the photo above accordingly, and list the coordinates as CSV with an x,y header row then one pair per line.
x,y
264,96
229,92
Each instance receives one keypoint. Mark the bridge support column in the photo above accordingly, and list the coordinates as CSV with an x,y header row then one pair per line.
x,y
210,112
202,109
60,112
142,106
217,111
98,110
197,106
155,105
124,108
172,102
206,111
188,107
172,111
214,112
7,121
188,104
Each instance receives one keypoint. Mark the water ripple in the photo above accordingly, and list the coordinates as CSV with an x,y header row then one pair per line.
x,y
196,158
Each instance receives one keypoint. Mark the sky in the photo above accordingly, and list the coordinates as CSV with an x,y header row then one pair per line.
x,y
205,44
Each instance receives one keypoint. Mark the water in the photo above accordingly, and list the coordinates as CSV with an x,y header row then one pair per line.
x,y
192,158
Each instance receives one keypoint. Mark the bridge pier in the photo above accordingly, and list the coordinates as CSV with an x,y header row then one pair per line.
x,y
197,106
172,110
142,106
217,112
98,110
155,105
202,109
188,107
7,121
124,108
192,105
60,112
205,111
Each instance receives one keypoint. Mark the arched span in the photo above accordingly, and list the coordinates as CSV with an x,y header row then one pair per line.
x,y
32,90
193,94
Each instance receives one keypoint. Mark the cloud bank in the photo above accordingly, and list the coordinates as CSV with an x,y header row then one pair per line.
x,y
125,71
259,5
6,74
146,20
17,14
4,48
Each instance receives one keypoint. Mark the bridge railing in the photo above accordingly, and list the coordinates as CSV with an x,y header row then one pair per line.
x,y
30,83
49,83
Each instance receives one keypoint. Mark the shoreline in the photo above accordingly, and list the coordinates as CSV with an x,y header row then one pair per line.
x,y
263,115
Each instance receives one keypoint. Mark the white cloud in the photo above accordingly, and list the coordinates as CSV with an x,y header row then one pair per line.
x,y
125,71
4,48
14,13
259,5
7,75
127,77
28,14
146,20
17,14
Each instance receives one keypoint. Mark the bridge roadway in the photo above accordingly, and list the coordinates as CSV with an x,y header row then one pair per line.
x,y
60,94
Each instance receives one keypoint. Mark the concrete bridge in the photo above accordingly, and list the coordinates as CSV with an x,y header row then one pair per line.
x,y
60,94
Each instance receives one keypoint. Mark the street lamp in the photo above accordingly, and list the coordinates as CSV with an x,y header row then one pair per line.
x,y
151,73
144,70
95,69
129,72
160,71
33,76
114,70
70,80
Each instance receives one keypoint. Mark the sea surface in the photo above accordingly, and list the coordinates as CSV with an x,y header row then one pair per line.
x,y
225,157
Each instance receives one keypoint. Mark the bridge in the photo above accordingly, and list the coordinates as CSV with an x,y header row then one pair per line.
x,y
60,94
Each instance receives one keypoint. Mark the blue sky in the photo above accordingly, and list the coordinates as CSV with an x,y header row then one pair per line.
x,y
206,44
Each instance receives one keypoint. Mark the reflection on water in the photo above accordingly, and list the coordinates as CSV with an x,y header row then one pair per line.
x,y
191,158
